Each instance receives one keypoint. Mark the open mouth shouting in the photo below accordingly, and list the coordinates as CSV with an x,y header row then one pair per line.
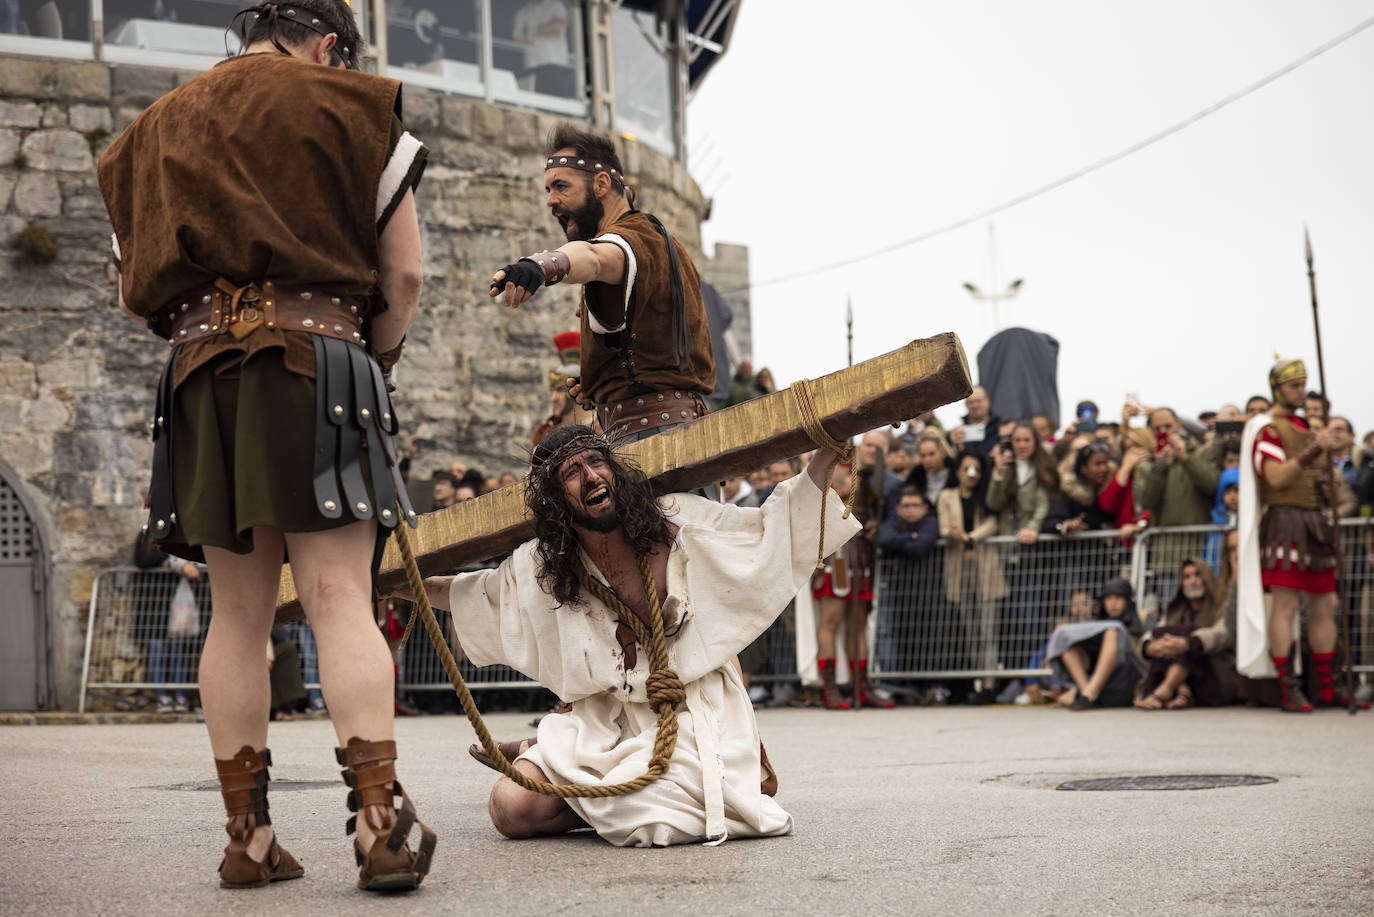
x,y
599,495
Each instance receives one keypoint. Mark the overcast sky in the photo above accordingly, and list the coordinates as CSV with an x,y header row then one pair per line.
x,y
830,130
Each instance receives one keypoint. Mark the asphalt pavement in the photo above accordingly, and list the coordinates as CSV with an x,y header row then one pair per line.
x,y
908,811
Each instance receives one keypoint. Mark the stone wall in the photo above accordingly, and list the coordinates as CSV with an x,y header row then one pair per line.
x,y
76,376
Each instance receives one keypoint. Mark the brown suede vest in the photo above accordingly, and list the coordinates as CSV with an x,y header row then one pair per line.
x,y
640,359
1304,489
265,167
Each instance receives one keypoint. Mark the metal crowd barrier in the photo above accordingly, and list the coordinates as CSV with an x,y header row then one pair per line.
x,y
956,613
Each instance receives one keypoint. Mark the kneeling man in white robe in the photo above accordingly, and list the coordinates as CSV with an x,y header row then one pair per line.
x,y
722,574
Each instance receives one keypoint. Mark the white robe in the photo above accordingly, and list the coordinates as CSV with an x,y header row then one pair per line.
x,y
1252,603
731,572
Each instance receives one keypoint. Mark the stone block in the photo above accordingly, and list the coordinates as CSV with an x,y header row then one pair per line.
x,y
19,114
37,194
126,115
456,117
48,78
29,455
88,118
54,116
47,415
81,198
419,110
522,132
140,86
9,146
488,122
18,378
72,374
59,150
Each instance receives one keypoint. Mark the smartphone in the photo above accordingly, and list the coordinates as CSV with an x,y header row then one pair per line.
x,y
1230,426
1161,441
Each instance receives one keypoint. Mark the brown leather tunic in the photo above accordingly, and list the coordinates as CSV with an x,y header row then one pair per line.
x,y
264,167
1304,490
640,358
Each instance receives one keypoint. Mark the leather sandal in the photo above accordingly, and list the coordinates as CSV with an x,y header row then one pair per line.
x,y
370,773
768,778
243,782
511,750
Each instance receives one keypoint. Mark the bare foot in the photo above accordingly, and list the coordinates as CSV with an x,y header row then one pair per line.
x,y
1182,700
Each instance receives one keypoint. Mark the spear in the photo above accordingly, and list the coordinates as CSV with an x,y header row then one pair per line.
x,y
1328,475
849,326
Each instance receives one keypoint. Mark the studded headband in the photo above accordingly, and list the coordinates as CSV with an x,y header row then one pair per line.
x,y
582,165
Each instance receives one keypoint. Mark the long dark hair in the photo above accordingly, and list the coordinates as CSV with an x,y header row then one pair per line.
x,y
1045,470
980,490
307,19
557,546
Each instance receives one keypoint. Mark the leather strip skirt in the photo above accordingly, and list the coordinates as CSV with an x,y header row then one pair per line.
x,y
244,443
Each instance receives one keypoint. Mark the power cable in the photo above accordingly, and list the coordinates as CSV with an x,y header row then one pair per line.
x,y
1075,175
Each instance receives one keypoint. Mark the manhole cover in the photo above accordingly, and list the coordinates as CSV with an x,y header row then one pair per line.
x,y
1167,782
277,785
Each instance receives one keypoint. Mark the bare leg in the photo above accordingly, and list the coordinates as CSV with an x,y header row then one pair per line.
x,y
332,575
856,631
1076,661
1283,606
1321,622
1106,662
832,613
519,813
234,687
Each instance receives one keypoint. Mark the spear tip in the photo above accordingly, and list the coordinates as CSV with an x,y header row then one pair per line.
x,y
1307,244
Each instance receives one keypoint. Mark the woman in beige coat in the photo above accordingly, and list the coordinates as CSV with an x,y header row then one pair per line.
x,y
974,582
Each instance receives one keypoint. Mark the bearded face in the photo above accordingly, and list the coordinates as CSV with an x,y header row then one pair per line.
x,y
574,204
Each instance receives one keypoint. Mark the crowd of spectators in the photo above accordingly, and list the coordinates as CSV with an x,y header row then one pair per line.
x,y
932,501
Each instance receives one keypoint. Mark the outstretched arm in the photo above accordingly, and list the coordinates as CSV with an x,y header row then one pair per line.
x,y
575,262
819,468
436,587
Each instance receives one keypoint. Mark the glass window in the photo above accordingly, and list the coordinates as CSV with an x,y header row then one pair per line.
x,y
58,27
144,31
538,46
643,90
435,43
186,33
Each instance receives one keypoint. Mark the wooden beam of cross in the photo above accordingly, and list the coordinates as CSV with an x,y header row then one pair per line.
x,y
919,377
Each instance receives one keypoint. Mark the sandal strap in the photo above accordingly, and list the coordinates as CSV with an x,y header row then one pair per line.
x,y
243,783
358,752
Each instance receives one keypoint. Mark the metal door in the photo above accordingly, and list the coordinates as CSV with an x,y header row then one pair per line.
x,y
23,647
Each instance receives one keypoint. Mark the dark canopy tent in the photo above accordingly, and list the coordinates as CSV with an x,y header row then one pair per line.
x,y
1020,370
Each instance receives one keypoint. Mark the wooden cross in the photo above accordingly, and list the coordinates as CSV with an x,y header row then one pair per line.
x,y
919,377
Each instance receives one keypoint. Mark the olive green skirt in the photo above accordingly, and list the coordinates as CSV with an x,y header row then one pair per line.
x,y
243,453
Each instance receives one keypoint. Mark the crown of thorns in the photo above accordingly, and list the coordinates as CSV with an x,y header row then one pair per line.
x,y
545,461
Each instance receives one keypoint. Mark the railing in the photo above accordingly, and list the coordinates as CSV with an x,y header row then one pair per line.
x,y
955,613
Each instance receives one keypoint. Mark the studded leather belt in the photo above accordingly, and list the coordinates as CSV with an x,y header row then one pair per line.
x,y
655,409
222,308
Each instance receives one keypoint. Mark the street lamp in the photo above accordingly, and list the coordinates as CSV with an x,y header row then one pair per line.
x,y
997,295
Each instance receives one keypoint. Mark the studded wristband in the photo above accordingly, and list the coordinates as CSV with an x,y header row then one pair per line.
x,y
554,264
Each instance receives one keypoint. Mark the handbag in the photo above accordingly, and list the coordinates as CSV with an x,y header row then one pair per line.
x,y
183,620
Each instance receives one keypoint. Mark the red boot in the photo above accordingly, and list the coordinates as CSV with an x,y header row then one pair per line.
x,y
1292,699
830,692
863,694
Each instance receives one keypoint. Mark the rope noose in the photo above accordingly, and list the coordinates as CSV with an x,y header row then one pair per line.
x,y
665,688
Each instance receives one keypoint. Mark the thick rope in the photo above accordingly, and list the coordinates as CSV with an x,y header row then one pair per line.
x,y
665,688
811,423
